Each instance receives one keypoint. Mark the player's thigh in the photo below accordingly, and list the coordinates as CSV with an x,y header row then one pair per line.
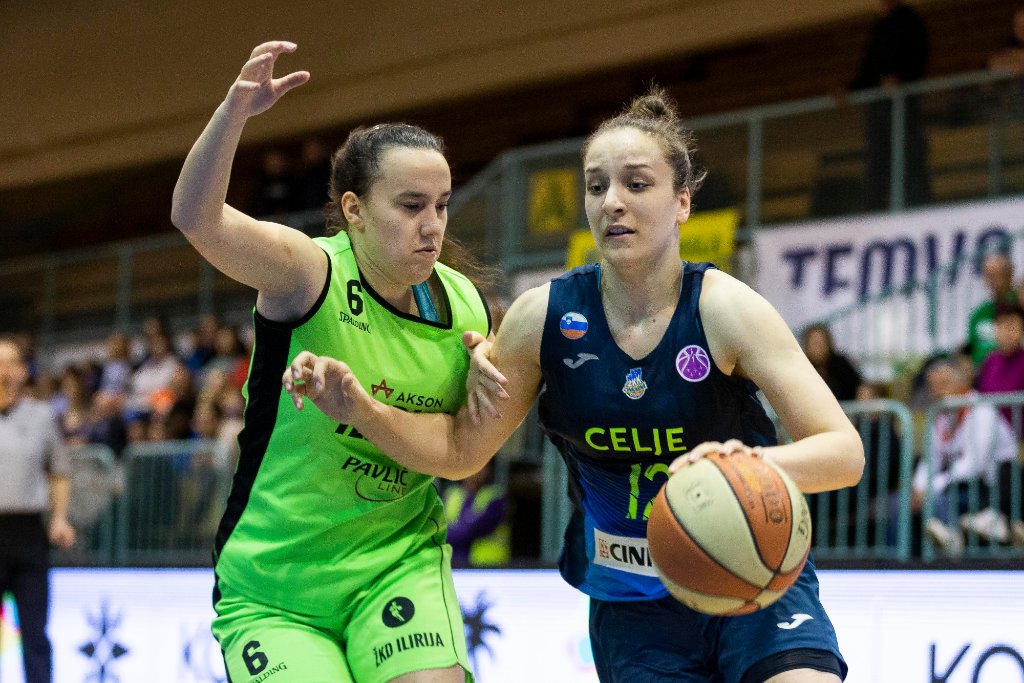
x,y
788,637
408,625
263,643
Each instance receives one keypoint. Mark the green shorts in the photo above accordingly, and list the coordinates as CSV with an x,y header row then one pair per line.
x,y
406,620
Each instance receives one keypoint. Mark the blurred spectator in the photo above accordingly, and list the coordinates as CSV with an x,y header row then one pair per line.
x,y
1003,370
314,174
107,425
274,191
203,339
36,479
74,416
967,446
228,352
896,53
836,369
997,271
477,512
151,383
1010,58
116,373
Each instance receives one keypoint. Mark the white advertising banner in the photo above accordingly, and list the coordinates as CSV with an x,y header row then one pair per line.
x,y
152,626
810,271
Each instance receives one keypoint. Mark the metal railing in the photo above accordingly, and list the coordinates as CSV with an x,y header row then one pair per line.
x,y
774,163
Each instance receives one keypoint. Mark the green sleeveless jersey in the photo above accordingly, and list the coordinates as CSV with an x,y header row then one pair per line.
x,y
316,511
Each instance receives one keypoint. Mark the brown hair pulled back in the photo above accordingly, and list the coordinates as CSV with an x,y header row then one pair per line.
x,y
355,166
655,114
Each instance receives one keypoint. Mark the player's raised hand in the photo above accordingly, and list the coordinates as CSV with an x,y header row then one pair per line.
x,y
256,90
484,384
328,383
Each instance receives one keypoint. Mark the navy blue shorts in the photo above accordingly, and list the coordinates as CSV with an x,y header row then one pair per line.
x,y
662,640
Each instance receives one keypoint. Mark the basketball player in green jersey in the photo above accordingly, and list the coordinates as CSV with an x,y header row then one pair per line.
x,y
331,562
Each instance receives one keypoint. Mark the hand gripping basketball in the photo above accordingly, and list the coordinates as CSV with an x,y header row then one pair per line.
x,y
729,532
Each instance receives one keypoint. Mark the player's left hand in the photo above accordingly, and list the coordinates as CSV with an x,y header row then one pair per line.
x,y
328,383
730,447
485,386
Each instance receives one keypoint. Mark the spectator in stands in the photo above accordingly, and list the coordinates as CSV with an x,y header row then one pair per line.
x,y
203,342
116,374
477,512
836,369
968,445
1003,370
36,479
227,352
151,383
997,271
274,192
1010,57
896,53
75,418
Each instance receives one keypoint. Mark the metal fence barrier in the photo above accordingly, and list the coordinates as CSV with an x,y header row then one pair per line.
x,y
95,483
174,496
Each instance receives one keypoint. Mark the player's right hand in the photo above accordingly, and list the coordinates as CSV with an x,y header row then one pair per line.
x,y
256,90
484,384
328,383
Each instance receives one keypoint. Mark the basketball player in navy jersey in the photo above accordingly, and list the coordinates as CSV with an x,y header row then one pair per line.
x,y
642,364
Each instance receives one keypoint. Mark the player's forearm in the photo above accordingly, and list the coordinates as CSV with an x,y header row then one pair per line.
x,y
60,497
822,462
431,443
202,186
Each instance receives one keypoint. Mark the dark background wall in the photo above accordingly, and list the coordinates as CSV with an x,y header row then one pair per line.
x,y
105,98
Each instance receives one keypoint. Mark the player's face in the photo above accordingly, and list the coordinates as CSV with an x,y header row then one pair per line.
x,y
404,215
633,210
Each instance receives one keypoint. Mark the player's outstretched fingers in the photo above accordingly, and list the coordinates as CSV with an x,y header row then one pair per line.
x,y
694,455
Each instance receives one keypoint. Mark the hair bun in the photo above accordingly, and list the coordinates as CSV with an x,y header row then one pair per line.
x,y
656,104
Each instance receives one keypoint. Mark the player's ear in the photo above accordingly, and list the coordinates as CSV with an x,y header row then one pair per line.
x,y
684,206
351,208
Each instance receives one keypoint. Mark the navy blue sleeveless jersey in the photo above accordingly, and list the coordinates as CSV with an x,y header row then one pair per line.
x,y
619,423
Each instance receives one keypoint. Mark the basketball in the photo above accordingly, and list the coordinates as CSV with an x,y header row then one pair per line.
x,y
729,534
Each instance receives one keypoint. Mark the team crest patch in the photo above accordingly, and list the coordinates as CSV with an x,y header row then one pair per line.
x,y
573,325
635,386
693,363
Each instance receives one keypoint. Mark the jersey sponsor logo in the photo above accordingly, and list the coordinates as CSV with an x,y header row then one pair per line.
x,y
797,620
398,612
379,483
693,363
409,641
579,360
358,324
635,386
635,439
573,325
624,553
383,386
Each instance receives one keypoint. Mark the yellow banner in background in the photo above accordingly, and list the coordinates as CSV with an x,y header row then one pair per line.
x,y
707,236
554,206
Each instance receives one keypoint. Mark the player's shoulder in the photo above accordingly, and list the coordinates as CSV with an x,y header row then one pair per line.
x,y
523,324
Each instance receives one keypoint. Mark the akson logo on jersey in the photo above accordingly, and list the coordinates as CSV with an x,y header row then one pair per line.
x,y
405,400
573,325
624,553
635,386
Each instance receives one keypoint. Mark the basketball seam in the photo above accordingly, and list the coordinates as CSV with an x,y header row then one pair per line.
x,y
711,557
750,528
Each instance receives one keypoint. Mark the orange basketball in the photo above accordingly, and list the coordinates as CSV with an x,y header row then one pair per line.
x,y
729,534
